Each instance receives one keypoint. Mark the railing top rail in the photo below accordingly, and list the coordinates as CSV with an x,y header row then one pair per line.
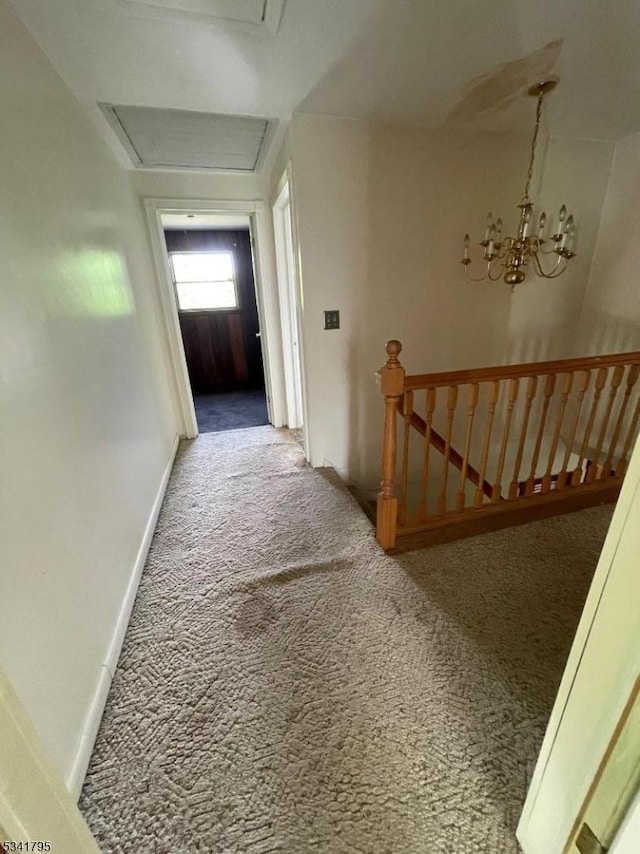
x,y
527,369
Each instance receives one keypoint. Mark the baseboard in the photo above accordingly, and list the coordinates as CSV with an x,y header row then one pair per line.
x,y
78,769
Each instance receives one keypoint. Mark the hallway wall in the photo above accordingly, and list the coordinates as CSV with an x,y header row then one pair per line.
x,y
86,425
610,317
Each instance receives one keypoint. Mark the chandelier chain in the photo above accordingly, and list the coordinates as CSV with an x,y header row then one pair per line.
x,y
534,143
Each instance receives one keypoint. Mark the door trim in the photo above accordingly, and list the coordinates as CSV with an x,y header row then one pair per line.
x,y
288,286
266,299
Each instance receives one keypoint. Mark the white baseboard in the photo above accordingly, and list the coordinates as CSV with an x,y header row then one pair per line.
x,y
78,769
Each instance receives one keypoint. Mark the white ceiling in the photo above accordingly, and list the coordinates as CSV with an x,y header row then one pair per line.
x,y
200,222
413,61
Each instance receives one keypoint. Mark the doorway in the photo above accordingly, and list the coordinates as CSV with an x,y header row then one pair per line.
x,y
211,265
266,294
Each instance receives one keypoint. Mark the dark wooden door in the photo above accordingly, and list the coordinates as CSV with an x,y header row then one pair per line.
x,y
222,347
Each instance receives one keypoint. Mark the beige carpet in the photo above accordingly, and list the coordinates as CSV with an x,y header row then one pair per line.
x,y
285,687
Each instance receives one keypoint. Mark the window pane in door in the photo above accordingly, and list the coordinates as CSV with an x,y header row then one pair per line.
x,y
202,266
206,295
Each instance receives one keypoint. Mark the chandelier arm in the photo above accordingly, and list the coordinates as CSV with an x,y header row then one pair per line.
x,y
550,251
471,278
554,272
560,270
496,269
538,266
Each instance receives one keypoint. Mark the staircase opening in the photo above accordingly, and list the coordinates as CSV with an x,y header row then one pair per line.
x,y
469,451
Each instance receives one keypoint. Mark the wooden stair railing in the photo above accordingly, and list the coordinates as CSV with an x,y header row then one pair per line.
x,y
536,439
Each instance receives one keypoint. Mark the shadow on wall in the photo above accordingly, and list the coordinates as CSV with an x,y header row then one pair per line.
x,y
611,335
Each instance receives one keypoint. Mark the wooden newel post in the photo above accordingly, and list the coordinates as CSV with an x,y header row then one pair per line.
x,y
392,385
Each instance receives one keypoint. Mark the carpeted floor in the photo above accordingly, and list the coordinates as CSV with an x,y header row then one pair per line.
x,y
285,687
231,410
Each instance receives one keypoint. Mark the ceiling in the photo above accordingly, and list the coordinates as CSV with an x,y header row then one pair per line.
x,y
201,222
413,61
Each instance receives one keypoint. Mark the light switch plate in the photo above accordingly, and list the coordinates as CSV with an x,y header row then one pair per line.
x,y
332,319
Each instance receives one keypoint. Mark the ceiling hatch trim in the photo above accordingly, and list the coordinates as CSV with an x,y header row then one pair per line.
x,y
158,138
253,17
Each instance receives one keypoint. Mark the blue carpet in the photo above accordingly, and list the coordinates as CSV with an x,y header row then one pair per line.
x,y
230,410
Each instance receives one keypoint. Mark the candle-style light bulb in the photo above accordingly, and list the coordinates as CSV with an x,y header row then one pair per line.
x,y
542,222
498,230
561,216
568,234
489,224
465,249
492,237
526,221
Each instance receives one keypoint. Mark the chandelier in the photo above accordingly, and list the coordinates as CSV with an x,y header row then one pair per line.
x,y
508,257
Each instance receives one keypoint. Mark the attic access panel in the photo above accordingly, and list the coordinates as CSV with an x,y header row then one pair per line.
x,y
181,139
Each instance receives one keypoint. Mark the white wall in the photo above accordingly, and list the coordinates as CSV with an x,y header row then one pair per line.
x,y
86,427
381,211
610,319
200,185
281,160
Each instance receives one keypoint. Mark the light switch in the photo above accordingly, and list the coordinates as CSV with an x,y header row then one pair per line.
x,y
332,319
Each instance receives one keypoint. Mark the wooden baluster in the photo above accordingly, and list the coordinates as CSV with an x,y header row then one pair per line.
x,y
392,386
632,378
532,386
471,411
549,387
616,379
430,404
407,411
452,402
601,378
494,392
512,396
623,462
566,391
582,390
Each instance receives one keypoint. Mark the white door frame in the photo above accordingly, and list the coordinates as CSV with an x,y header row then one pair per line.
x,y
266,298
291,304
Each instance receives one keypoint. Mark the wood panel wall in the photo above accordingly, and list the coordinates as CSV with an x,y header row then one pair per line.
x,y
222,349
